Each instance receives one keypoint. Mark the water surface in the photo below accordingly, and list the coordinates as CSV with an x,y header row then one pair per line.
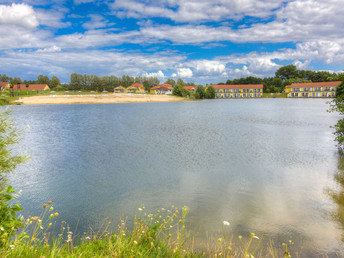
x,y
264,165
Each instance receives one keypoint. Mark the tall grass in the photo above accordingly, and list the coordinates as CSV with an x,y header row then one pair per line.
x,y
162,234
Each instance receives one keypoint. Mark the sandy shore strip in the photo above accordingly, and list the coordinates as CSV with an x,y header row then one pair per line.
x,y
97,99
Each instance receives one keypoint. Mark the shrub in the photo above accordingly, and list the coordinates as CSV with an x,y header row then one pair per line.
x,y
210,93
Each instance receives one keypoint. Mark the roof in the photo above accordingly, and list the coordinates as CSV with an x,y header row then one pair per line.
x,y
314,84
164,86
136,84
31,86
190,87
239,86
120,86
4,84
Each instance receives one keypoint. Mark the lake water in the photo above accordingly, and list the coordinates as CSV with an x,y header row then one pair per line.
x,y
264,165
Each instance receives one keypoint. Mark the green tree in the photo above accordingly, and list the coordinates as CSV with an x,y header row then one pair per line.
x,y
338,105
181,82
178,90
210,92
171,81
200,92
42,79
287,72
54,82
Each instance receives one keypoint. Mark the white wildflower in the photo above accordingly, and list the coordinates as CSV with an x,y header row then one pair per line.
x,y
12,246
256,237
225,223
140,209
135,242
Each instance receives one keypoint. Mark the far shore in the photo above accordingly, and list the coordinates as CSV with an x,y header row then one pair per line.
x,y
96,99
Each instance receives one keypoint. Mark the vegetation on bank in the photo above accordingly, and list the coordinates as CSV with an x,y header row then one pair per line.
x,y
338,105
285,75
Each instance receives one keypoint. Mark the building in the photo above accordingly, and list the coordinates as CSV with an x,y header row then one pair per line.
x,y
4,85
192,89
136,88
238,91
37,87
119,89
164,88
312,89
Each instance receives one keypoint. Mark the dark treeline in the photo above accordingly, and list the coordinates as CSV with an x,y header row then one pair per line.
x,y
287,75
284,76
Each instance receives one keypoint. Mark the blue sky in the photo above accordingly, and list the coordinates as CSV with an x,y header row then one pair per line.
x,y
206,41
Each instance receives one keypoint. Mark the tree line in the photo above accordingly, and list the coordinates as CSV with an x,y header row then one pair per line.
x,y
285,75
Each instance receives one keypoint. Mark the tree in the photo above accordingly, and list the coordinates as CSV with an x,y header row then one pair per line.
x,y
54,82
181,82
210,92
338,105
287,72
200,92
42,79
179,90
171,81
4,78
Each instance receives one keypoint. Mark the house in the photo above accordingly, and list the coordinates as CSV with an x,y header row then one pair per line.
x,y
37,87
192,89
119,89
136,88
312,89
238,91
164,88
4,85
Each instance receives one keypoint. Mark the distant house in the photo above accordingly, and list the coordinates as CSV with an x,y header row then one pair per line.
x,y
238,91
38,87
136,88
164,88
119,89
192,89
4,85
312,89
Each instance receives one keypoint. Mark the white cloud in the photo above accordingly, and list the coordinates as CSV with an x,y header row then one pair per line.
x,y
49,49
210,66
195,11
18,14
97,21
183,73
158,74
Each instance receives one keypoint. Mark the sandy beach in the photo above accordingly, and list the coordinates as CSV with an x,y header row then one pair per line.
x,y
96,99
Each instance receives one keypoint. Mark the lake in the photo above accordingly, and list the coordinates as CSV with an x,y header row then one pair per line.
x,y
264,165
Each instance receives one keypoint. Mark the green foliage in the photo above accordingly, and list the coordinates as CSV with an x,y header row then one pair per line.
x,y
200,92
59,88
171,81
210,93
9,224
179,90
287,72
338,105
9,136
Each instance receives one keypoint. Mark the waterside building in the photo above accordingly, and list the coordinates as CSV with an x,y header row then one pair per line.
x,y
238,91
312,89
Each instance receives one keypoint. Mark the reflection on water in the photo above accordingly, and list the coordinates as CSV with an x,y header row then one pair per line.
x,y
337,195
261,164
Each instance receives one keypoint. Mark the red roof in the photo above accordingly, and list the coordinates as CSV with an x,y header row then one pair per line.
x,y
31,86
3,84
164,86
190,87
240,86
137,84
314,84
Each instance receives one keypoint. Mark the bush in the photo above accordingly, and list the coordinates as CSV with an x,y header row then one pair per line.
x,y
200,92
179,90
210,93
59,88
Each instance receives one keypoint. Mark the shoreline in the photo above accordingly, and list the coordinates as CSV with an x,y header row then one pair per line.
x,y
111,98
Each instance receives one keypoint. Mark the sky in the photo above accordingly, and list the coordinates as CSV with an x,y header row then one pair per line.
x,y
206,41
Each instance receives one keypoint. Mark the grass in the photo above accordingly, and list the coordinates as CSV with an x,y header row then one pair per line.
x,y
162,234
274,95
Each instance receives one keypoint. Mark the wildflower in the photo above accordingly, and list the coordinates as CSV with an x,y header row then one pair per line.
x,y
142,232
255,237
135,242
51,208
140,209
88,238
50,202
225,223
240,237
44,206
12,246
56,214
39,221
49,225
40,227
51,215
162,209
220,240
34,218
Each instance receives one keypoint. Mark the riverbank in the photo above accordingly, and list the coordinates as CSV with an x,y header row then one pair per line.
x,y
96,99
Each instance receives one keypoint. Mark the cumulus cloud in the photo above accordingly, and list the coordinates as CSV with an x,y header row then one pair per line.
x,y
183,73
195,11
158,74
18,14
